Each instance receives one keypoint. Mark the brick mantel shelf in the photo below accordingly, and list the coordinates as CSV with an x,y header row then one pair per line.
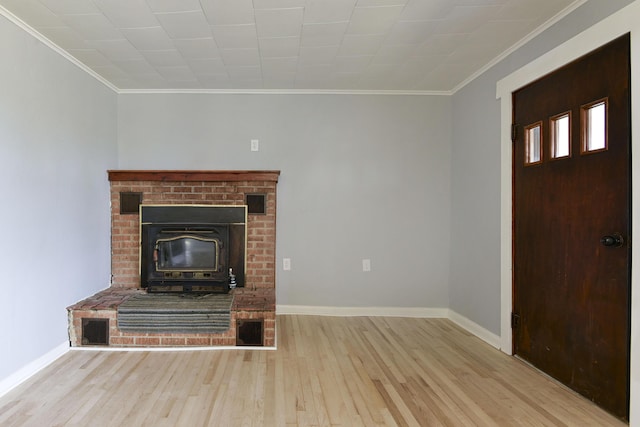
x,y
192,176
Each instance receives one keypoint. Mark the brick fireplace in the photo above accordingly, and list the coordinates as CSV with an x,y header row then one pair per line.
x,y
253,305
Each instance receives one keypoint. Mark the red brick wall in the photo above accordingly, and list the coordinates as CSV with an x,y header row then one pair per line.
x,y
261,229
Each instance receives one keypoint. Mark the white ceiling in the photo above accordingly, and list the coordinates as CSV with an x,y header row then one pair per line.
x,y
334,45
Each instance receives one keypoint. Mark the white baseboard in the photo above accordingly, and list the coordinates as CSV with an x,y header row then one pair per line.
x,y
441,313
477,330
23,374
362,311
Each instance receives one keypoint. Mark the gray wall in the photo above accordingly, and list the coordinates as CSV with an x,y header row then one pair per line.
x,y
361,177
474,286
57,138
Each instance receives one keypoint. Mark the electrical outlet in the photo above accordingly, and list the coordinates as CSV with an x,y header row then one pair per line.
x,y
255,145
366,265
286,264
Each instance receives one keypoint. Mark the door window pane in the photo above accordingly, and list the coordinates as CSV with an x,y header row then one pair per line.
x,y
594,126
533,143
560,135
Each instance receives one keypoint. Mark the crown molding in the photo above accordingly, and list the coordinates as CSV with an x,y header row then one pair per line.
x,y
285,92
40,37
564,12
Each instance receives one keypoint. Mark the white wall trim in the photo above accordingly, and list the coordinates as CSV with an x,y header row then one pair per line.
x,y
624,21
362,311
27,371
472,327
286,92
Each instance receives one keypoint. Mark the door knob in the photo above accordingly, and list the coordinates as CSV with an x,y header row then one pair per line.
x,y
614,240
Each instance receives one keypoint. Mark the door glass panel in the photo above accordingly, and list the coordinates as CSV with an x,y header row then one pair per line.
x,y
594,126
560,135
533,143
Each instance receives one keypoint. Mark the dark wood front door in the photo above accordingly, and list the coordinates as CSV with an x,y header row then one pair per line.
x,y
572,225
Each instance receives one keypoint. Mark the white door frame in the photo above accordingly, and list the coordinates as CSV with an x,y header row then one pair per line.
x,y
624,21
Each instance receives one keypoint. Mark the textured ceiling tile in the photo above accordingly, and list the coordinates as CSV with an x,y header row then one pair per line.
x,y
411,32
313,55
150,38
368,3
277,4
442,78
216,81
90,57
207,66
235,36
394,54
538,11
164,6
282,80
135,67
167,57
241,57
177,74
70,6
421,10
441,44
245,72
378,70
373,20
33,12
110,72
64,37
317,11
466,19
116,49
352,64
92,27
330,34
197,48
279,47
361,44
314,72
127,13
184,25
486,2
148,81
274,66
228,12
279,22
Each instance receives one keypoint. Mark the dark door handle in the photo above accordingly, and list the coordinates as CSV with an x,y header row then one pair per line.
x,y
614,240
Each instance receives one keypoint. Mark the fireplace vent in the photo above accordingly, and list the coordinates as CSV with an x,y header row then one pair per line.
x,y
249,332
130,202
95,331
256,204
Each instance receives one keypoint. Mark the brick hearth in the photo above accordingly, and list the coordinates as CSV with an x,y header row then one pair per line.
x,y
258,304
256,301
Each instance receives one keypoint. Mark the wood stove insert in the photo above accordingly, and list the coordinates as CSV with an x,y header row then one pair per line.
x,y
192,248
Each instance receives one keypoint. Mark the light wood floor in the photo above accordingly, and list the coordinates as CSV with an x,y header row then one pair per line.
x,y
327,371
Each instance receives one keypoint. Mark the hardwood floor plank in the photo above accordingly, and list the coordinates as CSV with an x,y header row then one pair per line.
x,y
327,371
